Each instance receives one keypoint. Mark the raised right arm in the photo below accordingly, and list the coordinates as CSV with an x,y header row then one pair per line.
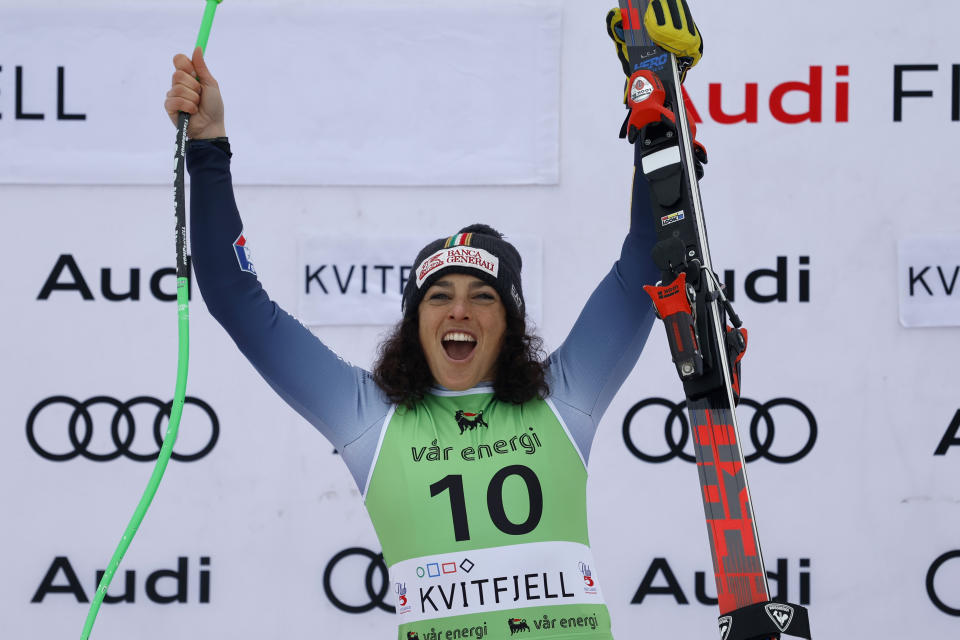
x,y
337,398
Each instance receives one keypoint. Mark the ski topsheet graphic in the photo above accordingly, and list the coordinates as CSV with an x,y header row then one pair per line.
x,y
705,350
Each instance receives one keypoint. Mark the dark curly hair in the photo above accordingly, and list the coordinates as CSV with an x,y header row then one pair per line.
x,y
403,374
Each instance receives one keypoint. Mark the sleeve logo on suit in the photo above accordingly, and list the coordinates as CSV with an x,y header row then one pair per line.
x,y
243,254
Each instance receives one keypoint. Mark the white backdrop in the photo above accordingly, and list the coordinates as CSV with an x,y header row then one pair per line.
x,y
435,93
811,212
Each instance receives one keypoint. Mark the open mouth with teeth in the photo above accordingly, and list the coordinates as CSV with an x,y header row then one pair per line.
x,y
458,345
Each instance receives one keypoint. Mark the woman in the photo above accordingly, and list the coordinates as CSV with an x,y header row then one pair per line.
x,y
469,450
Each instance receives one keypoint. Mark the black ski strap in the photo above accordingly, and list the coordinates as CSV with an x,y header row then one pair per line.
x,y
765,620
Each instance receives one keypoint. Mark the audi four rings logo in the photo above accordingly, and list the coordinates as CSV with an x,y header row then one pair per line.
x,y
123,428
375,594
676,420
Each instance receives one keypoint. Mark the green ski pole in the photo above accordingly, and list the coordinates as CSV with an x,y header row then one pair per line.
x,y
183,325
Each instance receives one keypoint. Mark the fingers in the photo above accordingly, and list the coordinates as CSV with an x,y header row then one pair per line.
x,y
194,91
192,73
184,93
182,98
202,72
688,18
183,63
185,80
670,24
615,31
675,14
174,106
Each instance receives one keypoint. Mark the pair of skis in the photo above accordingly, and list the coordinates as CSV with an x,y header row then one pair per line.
x,y
705,351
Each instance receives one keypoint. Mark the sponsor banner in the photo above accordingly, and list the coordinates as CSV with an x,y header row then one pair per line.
x,y
103,428
186,583
495,579
73,278
359,280
448,96
657,430
787,580
930,281
573,621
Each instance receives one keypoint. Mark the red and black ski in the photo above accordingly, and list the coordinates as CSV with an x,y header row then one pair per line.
x,y
705,350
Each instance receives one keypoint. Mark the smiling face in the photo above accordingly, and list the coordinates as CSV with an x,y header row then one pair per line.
x,y
461,323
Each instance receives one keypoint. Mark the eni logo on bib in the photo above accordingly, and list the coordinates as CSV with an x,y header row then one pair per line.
x,y
518,624
469,421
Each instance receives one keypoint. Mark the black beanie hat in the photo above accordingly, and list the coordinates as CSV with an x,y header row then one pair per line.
x,y
477,250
